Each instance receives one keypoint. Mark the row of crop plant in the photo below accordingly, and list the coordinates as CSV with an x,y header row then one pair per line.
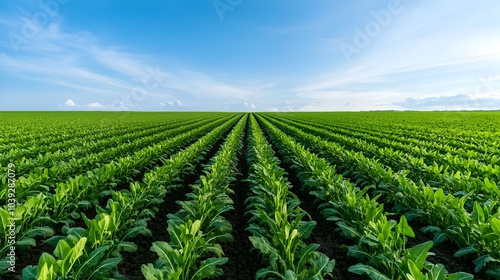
x,y
79,147
349,177
476,232
278,223
380,242
45,179
454,182
198,229
94,252
479,163
469,143
43,211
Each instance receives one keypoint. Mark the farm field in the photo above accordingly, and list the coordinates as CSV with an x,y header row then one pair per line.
x,y
200,195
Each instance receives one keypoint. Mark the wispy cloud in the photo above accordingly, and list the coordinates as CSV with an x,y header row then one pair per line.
x,y
79,62
430,55
95,105
414,58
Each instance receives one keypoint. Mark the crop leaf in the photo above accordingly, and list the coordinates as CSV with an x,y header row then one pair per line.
x,y
30,272
418,253
208,268
290,275
104,267
460,276
465,251
368,270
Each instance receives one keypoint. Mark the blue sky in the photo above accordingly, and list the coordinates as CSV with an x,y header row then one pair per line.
x,y
249,55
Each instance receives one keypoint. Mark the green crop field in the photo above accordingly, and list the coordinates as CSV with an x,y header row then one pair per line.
x,y
367,195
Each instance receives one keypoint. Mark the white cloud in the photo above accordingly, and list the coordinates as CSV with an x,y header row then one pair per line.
x,y
95,105
116,106
162,104
171,103
69,103
179,103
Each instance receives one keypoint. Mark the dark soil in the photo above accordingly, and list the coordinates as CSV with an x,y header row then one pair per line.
x,y
243,260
